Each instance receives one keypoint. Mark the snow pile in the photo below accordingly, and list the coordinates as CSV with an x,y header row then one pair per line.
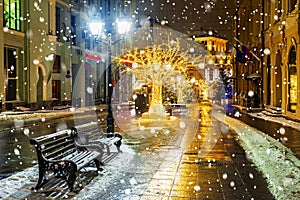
x,y
278,164
281,120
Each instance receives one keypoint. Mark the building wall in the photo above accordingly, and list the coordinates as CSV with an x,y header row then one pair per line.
x,y
281,35
248,25
39,38
217,60
32,43
2,96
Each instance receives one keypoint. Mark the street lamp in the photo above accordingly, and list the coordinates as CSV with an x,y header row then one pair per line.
x,y
96,30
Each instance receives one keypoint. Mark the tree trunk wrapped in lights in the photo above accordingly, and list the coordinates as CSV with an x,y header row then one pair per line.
x,y
156,106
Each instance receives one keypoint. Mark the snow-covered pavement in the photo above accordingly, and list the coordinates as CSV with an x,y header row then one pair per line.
x,y
279,165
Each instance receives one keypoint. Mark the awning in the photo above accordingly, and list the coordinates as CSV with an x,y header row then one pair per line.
x,y
254,76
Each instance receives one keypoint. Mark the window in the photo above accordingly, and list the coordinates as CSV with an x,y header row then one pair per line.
x,y
87,43
57,21
12,14
292,92
292,5
279,9
10,73
73,29
56,64
211,75
56,89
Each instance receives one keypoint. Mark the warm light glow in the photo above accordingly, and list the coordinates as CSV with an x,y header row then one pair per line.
x,y
193,80
210,61
157,73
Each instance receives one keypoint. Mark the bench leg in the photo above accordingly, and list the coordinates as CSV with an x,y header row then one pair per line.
x,y
71,176
40,183
98,164
107,148
118,143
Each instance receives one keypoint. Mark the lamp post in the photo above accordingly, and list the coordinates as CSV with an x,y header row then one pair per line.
x,y
96,30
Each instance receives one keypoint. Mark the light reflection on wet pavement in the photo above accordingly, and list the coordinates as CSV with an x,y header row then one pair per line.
x,y
175,170
183,164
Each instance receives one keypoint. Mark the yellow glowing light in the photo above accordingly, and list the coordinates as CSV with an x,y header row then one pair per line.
x,y
157,65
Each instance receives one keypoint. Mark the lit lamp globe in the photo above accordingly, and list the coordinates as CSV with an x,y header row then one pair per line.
x,y
96,28
123,27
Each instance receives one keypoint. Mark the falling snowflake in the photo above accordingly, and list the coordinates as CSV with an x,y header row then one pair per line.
x,y
182,125
26,131
16,151
282,131
197,188
89,90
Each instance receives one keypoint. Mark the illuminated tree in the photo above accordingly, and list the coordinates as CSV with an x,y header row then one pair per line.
x,y
156,66
181,86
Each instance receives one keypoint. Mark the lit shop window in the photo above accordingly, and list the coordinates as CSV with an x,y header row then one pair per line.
x,y
292,81
12,14
10,72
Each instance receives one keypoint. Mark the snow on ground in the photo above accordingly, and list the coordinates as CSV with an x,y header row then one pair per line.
x,y
282,120
113,170
19,183
279,165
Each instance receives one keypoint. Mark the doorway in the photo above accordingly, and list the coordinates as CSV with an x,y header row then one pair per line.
x,y
278,80
40,89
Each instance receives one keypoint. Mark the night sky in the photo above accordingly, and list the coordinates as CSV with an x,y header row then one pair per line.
x,y
192,16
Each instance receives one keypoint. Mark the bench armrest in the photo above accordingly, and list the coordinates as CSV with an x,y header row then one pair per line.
x,y
111,135
93,147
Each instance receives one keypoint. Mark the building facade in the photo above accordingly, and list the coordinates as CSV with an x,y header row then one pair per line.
x,y
49,56
282,65
217,68
248,44
269,29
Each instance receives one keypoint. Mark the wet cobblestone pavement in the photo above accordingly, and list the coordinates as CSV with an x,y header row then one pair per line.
x,y
208,164
175,171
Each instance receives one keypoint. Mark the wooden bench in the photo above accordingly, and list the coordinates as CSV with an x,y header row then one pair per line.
x,y
92,134
58,157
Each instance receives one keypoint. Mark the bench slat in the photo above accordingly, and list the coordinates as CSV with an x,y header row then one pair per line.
x,y
50,137
58,151
82,158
